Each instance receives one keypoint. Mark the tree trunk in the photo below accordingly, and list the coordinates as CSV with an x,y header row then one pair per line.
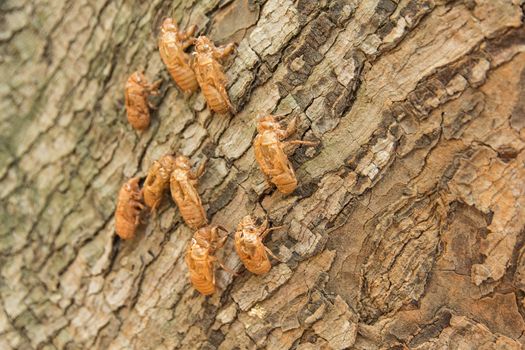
x,y
406,230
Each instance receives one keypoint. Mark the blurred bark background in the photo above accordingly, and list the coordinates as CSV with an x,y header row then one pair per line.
x,y
406,231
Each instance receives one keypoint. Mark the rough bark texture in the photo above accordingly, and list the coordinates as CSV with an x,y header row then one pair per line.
x,y
407,229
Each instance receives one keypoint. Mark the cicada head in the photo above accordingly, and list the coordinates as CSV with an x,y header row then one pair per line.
x,y
138,78
133,185
203,44
183,163
168,162
169,25
246,222
203,235
267,122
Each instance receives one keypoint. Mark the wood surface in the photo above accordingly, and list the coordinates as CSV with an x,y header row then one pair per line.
x,y
406,230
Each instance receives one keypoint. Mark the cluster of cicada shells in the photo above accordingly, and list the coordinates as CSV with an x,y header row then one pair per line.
x,y
170,172
202,69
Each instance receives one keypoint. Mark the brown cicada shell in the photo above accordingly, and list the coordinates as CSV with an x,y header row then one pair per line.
x,y
201,260
270,154
172,43
129,208
210,74
183,185
249,245
158,181
137,105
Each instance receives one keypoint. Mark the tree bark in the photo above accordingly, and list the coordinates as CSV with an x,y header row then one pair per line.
x,y
406,231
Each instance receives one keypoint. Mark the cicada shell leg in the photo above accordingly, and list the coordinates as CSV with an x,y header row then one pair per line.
x,y
226,268
267,231
272,254
301,142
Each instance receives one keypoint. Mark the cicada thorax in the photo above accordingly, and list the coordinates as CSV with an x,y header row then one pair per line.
x,y
136,96
274,162
158,181
129,208
177,62
184,193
